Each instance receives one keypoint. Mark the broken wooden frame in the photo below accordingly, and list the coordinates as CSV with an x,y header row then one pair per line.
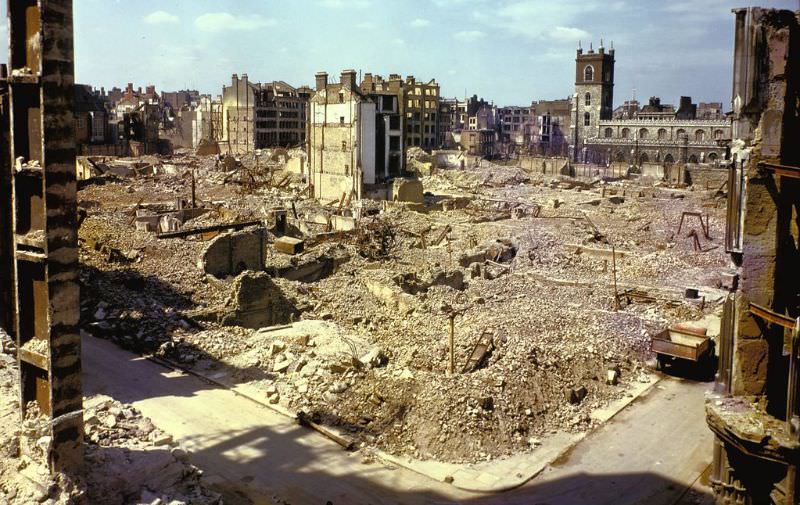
x,y
209,231
705,225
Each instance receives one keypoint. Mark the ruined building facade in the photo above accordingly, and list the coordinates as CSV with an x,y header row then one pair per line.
x,y
656,133
755,415
262,115
341,146
552,125
422,113
516,125
418,102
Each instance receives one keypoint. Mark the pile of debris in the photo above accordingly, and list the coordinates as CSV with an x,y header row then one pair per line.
x,y
128,459
350,324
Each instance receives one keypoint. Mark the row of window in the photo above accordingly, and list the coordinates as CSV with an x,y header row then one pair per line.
x,y
416,104
415,116
427,91
289,125
416,129
416,142
663,134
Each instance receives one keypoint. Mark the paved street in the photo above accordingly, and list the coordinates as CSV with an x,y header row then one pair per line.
x,y
649,453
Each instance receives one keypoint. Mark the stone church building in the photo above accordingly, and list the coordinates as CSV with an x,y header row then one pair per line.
x,y
665,136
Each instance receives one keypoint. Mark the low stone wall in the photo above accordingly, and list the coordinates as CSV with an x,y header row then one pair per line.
x,y
233,253
654,170
705,176
407,190
543,165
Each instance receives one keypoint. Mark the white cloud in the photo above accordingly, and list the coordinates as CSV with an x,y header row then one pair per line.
x,y
544,21
453,3
398,42
341,4
569,34
221,21
469,35
419,23
160,17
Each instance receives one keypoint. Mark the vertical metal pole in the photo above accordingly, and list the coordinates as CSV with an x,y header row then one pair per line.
x,y
452,366
614,271
194,199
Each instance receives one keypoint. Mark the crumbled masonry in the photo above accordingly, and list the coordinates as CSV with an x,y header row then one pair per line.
x,y
353,328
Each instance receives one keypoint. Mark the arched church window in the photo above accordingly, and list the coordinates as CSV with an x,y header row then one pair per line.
x,y
588,73
587,99
608,132
587,119
699,135
643,133
662,134
626,133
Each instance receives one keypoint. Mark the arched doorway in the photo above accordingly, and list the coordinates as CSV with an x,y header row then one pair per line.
x,y
643,158
713,157
669,160
693,159
619,157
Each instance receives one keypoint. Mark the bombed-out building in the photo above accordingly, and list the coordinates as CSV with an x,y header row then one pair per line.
x,y
341,147
754,415
261,115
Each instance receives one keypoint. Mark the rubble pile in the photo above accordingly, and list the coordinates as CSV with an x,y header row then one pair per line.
x,y
127,458
131,460
353,326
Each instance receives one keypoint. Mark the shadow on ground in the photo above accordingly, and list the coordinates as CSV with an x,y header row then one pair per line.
x,y
147,316
282,463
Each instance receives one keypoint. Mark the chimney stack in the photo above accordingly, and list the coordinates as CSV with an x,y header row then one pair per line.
x,y
349,79
322,80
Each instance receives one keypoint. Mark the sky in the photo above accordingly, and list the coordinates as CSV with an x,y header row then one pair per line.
x,y
507,51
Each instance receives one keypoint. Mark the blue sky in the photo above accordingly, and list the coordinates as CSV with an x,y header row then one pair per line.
x,y
509,51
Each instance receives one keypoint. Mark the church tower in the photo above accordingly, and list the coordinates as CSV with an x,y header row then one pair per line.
x,y
594,96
